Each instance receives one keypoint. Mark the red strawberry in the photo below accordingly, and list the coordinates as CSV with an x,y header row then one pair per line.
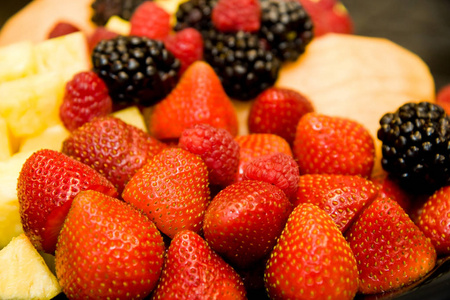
x,y
186,45
112,147
311,260
244,220
390,189
62,28
86,97
390,249
172,189
217,148
237,15
107,249
193,271
256,145
198,98
279,169
443,98
278,110
150,20
47,184
343,197
434,220
333,145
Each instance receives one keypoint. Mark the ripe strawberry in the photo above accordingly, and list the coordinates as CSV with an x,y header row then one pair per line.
x,y
107,249
47,184
256,145
237,15
186,45
390,189
343,197
333,145
279,169
112,147
217,148
198,98
172,189
193,271
150,20
311,260
443,98
244,220
278,110
390,249
86,97
434,220
62,28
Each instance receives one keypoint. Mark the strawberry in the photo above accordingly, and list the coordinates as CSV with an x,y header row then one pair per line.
x,y
244,220
107,249
237,15
112,147
390,249
186,45
86,97
62,28
172,189
311,260
389,188
333,145
217,148
47,184
193,271
150,20
277,111
198,98
279,169
443,98
434,220
256,145
343,197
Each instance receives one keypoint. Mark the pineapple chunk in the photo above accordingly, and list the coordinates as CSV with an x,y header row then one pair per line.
x,y
16,61
51,138
132,116
118,25
5,144
24,274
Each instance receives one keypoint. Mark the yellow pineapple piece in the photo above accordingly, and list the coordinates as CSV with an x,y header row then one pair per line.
x,y
24,274
133,116
5,144
118,25
50,138
16,61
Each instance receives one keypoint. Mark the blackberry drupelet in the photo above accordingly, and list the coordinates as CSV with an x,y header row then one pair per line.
x,y
416,146
196,14
287,28
242,62
104,9
137,70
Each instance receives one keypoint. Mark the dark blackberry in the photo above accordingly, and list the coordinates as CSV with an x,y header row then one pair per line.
x,y
287,28
416,146
196,14
137,70
243,64
104,9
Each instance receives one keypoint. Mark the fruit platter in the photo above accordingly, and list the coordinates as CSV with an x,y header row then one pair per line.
x,y
221,149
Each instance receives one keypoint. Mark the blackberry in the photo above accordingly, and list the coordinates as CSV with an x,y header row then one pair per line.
x,y
241,61
416,146
196,14
136,70
287,28
104,9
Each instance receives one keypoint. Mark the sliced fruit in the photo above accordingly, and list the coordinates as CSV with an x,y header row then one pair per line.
x,y
50,138
118,25
131,115
5,144
16,61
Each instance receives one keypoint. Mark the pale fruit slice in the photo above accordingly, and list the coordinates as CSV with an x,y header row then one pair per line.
x,y
118,25
10,224
132,116
5,144
51,138
24,274
358,77
16,61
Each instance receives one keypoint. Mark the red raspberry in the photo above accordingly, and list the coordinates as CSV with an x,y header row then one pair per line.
x,y
85,98
100,33
278,169
62,28
218,149
151,21
277,111
236,15
186,45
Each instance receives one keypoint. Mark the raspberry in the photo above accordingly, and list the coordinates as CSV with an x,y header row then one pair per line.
x,y
237,15
218,149
100,33
151,21
278,169
85,98
62,28
186,45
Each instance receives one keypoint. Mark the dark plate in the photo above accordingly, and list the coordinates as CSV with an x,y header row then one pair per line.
x,y
420,26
